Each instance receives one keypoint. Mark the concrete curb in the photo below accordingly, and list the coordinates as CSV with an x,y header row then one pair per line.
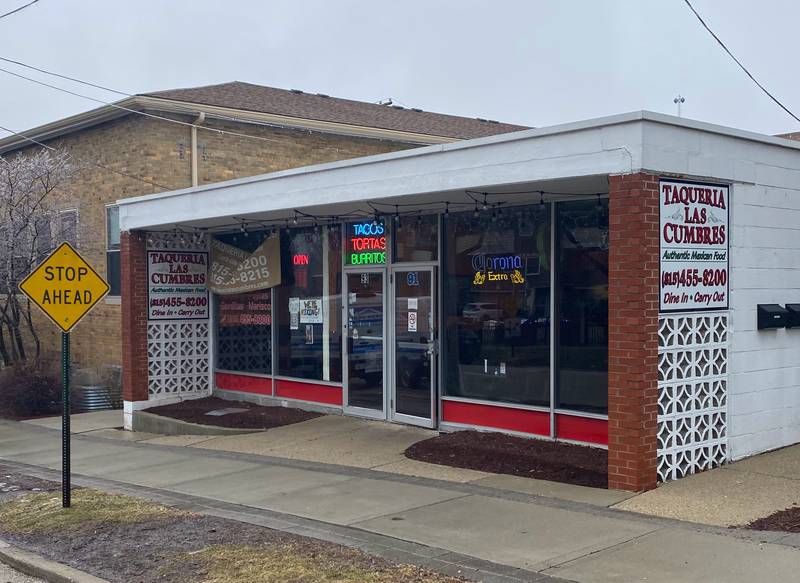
x,y
37,566
151,423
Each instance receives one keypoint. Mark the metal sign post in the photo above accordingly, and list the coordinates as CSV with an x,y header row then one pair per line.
x,y
66,288
65,433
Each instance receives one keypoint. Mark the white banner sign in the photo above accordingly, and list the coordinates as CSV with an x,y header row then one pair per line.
x,y
177,285
694,246
311,311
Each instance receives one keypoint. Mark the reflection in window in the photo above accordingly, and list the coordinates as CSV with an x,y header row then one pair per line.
x,y
113,268
582,282
308,304
244,332
244,321
497,307
415,238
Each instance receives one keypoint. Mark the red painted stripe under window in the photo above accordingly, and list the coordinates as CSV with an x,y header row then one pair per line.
x,y
243,383
305,391
582,429
497,417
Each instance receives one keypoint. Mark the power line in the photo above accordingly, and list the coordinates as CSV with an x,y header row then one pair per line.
x,y
150,115
67,77
743,68
96,164
18,9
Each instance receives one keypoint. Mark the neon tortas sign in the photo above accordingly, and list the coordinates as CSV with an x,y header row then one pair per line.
x,y
366,244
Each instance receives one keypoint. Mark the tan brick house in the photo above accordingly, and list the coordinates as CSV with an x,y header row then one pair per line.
x,y
251,129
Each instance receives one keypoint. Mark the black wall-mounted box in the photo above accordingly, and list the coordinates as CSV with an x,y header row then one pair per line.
x,y
794,315
772,316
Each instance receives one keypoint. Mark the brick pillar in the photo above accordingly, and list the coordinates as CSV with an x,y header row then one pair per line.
x,y
633,331
134,320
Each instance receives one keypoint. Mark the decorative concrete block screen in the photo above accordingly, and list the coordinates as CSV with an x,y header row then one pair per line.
x,y
692,400
177,350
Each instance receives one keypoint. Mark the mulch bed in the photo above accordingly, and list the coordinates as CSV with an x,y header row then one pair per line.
x,y
256,416
506,454
784,520
156,550
13,483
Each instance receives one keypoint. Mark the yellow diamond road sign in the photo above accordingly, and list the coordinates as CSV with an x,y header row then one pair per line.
x,y
65,287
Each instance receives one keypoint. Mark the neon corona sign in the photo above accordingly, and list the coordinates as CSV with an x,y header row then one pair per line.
x,y
366,243
489,268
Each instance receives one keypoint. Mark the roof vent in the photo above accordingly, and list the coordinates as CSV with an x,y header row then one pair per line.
x,y
295,90
481,119
492,121
417,109
323,95
398,107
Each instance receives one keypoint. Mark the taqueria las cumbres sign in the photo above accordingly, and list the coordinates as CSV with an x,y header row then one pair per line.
x,y
694,245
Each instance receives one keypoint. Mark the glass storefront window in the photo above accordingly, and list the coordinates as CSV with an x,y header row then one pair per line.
x,y
244,321
415,238
582,283
244,332
308,304
496,306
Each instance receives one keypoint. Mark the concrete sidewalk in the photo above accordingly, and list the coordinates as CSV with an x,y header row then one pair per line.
x,y
732,495
573,540
346,441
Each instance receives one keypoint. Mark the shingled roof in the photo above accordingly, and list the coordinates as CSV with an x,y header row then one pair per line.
x,y
320,107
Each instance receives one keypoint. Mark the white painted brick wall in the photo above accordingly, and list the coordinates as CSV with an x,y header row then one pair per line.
x,y
764,382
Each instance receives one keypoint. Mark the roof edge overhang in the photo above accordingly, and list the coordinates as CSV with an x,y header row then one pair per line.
x,y
619,144
609,145
137,103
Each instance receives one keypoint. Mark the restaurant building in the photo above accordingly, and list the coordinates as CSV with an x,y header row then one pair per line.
x,y
630,283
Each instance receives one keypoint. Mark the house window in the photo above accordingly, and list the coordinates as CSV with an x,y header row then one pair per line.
x,y
68,226
43,243
112,250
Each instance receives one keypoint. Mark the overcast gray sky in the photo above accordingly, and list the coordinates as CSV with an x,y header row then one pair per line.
x,y
534,62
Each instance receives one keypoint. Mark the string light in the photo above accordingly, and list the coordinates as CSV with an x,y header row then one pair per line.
x,y
485,205
294,220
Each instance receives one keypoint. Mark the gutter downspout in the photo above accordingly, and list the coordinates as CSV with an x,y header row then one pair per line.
x,y
200,119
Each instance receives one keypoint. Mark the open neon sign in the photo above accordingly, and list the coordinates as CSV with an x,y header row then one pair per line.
x,y
366,243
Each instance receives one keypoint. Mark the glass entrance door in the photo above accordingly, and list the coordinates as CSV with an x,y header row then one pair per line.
x,y
365,344
414,346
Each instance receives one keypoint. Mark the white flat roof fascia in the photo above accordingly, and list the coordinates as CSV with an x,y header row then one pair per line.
x,y
735,156
617,144
573,150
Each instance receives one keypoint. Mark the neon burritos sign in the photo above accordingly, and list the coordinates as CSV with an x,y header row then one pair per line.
x,y
497,268
366,243
694,246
